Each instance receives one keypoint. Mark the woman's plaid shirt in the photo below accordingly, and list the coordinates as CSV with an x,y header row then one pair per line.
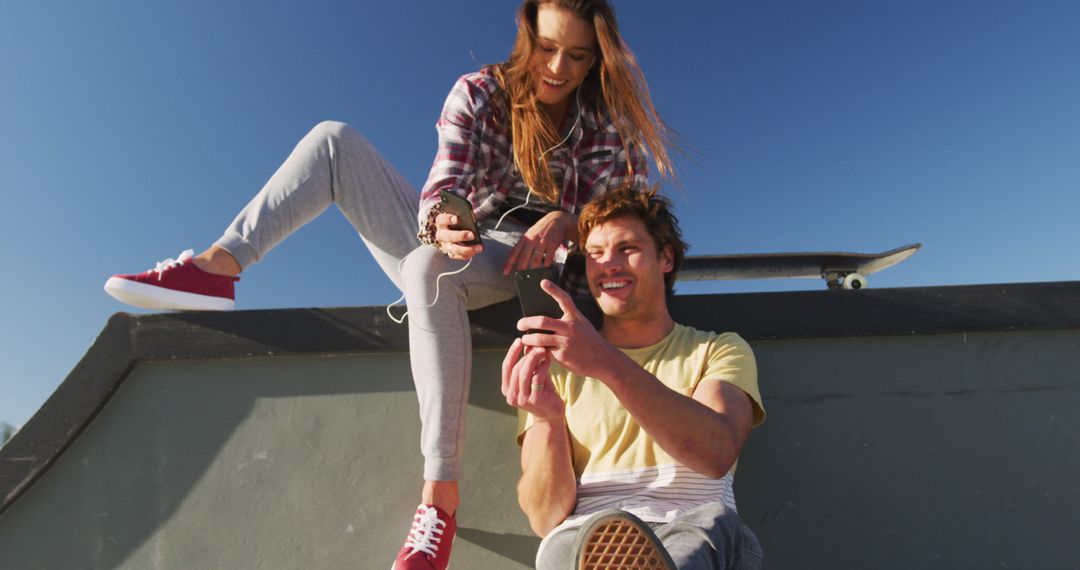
x,y
475,158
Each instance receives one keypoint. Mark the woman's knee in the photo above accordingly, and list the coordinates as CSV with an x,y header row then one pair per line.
x,y
337,134
330,130
422,267
427,274
423,262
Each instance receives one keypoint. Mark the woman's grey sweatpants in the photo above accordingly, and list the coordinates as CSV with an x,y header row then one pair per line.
x,y
333,164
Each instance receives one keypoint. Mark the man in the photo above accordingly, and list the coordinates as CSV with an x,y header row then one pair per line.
x,y
642,420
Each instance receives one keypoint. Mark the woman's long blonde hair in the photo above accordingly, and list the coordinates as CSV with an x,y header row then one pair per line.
x,y
615,85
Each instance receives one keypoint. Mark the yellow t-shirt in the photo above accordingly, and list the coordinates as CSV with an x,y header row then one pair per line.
x,y
617,463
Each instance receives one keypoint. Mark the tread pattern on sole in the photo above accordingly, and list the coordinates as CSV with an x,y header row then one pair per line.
x,y
618,544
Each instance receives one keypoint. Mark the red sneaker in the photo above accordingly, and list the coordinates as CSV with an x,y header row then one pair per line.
x,y
175,285
429,542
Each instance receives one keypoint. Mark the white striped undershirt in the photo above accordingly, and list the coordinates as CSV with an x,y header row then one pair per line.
x,y
654,494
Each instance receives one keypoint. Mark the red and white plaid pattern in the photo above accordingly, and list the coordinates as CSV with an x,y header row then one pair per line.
x,y
475,158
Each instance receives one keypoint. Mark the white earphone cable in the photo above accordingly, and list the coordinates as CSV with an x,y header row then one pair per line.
x,y
569,133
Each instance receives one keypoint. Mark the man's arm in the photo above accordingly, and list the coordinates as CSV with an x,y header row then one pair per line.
x,y
704,432
547,490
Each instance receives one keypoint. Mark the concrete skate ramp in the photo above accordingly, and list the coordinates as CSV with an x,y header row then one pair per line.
x,y
908,428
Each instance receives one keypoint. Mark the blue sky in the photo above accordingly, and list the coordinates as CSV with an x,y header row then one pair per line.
x,y
130,131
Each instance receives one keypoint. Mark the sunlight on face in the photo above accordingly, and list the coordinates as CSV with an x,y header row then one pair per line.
x,y
624,269
565,52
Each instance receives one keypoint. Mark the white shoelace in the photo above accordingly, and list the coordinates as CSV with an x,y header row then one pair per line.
x,y
426,533
170,263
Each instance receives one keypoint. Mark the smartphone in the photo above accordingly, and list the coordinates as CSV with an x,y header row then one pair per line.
x,y
534,300
460,207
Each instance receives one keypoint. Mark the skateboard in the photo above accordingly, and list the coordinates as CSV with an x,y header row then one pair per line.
x,y
840,270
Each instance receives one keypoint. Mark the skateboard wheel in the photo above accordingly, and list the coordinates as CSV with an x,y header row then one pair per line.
x,y
854,281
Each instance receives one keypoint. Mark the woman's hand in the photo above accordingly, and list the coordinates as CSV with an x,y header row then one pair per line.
x,y
450,240
538,244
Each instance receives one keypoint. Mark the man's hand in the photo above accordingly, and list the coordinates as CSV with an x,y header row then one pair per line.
x,y
574,342
538,244
450,240
526,383
704,432
547,490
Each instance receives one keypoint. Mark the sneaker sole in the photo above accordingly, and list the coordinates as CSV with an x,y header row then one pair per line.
x,y
619,542
158,298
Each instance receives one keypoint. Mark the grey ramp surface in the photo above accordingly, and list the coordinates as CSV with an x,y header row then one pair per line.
x,y
907,428
264,463
926,451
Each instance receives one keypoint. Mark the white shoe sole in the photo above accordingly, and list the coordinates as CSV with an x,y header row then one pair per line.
x,y
162,299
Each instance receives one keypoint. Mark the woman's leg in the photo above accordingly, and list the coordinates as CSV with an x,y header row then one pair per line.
x,y
440,344
440,351
333,164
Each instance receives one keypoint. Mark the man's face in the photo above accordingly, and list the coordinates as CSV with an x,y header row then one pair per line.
x,y
624,269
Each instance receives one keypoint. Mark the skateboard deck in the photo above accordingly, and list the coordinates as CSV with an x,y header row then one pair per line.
x,y
840,270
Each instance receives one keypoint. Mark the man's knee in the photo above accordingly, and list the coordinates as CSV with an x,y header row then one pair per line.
x,y
556,550
711,536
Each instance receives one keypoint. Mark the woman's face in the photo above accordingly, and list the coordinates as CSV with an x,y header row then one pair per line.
x,y
564,53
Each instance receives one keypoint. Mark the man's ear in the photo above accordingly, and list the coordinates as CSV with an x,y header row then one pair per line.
x,y
667,258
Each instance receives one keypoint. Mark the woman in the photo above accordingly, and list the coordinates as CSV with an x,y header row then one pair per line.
x,y
565,119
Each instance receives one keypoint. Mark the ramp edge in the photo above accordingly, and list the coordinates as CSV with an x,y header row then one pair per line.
x,y
127,340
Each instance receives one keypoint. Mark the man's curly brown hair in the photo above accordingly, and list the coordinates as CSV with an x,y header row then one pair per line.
x,y
648,206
